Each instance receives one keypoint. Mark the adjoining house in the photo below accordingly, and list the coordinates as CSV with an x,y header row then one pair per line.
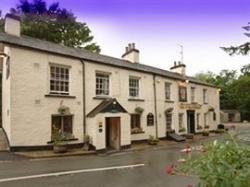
x,y
230,116
114,101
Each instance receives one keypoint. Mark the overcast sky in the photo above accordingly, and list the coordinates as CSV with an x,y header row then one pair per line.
x,y
158,27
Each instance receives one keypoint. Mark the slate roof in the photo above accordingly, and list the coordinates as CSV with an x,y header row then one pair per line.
x,y
42,45
108,105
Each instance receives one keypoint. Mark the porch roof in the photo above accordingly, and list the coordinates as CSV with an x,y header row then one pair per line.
x,y
107,105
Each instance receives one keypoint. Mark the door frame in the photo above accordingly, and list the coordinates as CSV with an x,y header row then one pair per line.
x,y
107,135
188,121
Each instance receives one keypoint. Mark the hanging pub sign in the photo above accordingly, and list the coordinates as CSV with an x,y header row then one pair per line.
x,y
191,106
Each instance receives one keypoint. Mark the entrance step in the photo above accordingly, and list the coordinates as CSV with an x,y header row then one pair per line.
x,y
176,137
3,141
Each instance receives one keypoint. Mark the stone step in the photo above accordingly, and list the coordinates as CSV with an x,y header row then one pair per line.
x,y
3,141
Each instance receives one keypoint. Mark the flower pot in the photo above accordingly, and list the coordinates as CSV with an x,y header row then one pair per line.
x,y
60,148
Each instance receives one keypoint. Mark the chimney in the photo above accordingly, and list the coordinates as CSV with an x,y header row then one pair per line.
x,y
12,25
179,68
131,53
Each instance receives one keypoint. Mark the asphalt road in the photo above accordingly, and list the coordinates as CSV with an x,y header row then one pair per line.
x,y
143,169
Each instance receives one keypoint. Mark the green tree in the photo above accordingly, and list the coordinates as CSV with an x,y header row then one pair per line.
x,y
1,22
54,24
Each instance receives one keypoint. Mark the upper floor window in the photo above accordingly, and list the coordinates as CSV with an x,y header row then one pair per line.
x,y
182,93
133,87
204,95
167,90
192,94
102,84
59,79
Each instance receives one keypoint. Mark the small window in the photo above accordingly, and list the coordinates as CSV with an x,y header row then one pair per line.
x,y
205,96
181,120
150,119
167,91
169,121
182,94
192,94
214,116
135,121
59,79
133,87
102,84
62,123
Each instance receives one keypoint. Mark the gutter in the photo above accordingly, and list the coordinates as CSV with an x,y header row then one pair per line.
x,y
155,105
84,99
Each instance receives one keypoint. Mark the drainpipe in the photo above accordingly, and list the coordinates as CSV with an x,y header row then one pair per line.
x,y
155,105
84,99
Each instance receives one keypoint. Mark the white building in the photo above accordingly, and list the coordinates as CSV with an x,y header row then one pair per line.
x,y
114,101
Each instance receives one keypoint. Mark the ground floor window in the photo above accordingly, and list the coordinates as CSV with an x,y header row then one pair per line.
x,y
181,120
169,121
150,119
135,121
62,123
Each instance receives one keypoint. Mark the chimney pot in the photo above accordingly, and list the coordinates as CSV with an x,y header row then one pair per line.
x,y
129,46
133,45
174,63
179,63
126,49
131,54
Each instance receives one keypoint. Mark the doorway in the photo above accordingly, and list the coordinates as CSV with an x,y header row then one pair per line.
x,y
191,121
113,133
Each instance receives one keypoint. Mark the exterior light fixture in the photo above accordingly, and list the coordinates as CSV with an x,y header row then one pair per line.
x,y
3,55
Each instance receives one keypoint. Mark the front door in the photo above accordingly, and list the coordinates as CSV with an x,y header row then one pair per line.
x,y
191,121
113,133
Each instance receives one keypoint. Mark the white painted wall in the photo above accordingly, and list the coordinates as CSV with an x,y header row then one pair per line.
x,y
30,110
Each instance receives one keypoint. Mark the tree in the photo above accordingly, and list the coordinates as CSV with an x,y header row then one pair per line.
x,y
242,49
1,22
54,24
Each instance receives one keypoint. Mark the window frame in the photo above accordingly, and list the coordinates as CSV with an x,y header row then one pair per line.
x,y
150,119
62,120
137,89
204,91
181,122
180,94
60,80
134,123
192,94
167,91
171,120
100,89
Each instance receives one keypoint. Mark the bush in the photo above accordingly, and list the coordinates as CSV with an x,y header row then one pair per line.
x,y
221,164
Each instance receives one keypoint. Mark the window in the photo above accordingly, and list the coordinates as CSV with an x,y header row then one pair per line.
x,y
59,79
204,95
102,84
167,91
169,121
150,119
62,123
182,94
133,87
181,120
214,116
192,94
205,119
135,121
198,119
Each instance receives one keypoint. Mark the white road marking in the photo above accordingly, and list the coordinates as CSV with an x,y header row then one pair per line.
x,y
69,172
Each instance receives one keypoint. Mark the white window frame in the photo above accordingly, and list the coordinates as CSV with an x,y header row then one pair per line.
x,y
204,96
60,80
137,87
103,90
181,120
167,91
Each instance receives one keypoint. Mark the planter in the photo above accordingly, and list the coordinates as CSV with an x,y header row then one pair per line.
x,y
60,148
205,133
189,136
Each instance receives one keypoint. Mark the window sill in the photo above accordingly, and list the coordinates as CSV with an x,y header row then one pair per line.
x,y
169,101
69,140
102,97
60,96
135,99
141,132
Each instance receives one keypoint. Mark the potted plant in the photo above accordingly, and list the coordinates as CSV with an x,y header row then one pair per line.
x,y
86,145
152,140
205,133
139,110
182,129
59,139
206,127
